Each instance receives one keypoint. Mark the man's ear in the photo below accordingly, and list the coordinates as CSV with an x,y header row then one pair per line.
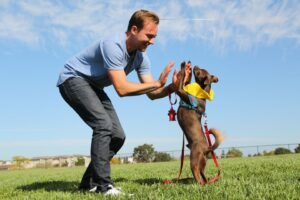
x,y
134,30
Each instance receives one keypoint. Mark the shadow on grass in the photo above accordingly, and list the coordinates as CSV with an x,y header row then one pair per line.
x,y
72,186
51,186
144,181
120,180
189,180
152,181
148,181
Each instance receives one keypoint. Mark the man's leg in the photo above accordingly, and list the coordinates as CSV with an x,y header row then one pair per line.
x,y
79,94
118,135
86,181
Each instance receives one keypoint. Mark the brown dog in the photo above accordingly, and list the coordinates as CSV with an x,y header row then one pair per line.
x,y
189,118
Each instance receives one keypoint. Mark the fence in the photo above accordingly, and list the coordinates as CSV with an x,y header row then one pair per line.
x,y
220,152
246,150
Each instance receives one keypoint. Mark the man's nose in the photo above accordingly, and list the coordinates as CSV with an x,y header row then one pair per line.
x,y
151,41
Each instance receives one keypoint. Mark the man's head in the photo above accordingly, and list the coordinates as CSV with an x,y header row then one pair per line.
x,y
143,29
140,17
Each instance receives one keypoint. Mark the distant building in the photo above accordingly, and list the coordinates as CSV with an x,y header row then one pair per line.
x,y
45,162
5,165
53,161
127,159
56,161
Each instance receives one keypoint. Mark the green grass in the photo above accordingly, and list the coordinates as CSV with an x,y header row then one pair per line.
x,y
269,177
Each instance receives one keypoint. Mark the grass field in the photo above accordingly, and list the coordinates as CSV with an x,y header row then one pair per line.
x,y
268,177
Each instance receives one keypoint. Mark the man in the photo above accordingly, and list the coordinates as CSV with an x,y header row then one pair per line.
x,y
104,63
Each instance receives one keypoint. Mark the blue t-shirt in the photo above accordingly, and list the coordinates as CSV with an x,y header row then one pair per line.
x,y
111,53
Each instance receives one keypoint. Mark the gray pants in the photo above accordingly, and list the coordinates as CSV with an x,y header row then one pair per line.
x,y
96,110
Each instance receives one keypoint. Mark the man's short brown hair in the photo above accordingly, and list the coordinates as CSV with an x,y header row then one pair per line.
x,y
139,17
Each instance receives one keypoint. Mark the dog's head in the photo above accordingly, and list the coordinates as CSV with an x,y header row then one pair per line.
x,y
203,78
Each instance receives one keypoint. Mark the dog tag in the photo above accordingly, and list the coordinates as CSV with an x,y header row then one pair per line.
x,y
172,114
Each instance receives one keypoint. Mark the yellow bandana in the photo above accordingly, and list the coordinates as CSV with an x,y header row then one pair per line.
x,y
195,90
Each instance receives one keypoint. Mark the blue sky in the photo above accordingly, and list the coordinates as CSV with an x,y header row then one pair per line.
x,y
252,46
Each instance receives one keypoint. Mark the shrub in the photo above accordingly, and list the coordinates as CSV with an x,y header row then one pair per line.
x,y
80,161
115,161
257,154
270,153
232,153
64,164
282,150
162,157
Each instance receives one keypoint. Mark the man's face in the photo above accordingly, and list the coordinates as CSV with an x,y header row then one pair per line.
x,y
146,35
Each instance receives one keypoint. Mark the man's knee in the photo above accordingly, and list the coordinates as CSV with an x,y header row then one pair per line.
x,y
115,145
120,134
118,139
103,126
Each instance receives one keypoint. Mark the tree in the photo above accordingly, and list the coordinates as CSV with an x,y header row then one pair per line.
x,y
232,153
297,149
282,150
162,157
144,153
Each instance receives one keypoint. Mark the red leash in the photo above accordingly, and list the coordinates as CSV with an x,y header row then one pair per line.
x,y
172,112
212,153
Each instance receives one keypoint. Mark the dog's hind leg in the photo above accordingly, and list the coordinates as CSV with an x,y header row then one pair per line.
x,y
202,168
195,164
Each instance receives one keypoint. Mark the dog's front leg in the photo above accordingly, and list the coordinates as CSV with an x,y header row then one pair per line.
x,y
188,74
180,92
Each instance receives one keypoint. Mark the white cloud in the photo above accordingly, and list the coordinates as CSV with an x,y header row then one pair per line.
x,y
242,24
248,23
16,27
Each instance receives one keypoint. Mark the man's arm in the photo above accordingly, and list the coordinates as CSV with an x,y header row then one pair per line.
x,y
147,85
127,88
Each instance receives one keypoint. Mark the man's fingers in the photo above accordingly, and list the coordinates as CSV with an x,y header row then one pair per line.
x,y
167,69
170,66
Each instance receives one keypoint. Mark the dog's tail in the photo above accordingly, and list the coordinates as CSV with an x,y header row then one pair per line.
x,y
218,137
